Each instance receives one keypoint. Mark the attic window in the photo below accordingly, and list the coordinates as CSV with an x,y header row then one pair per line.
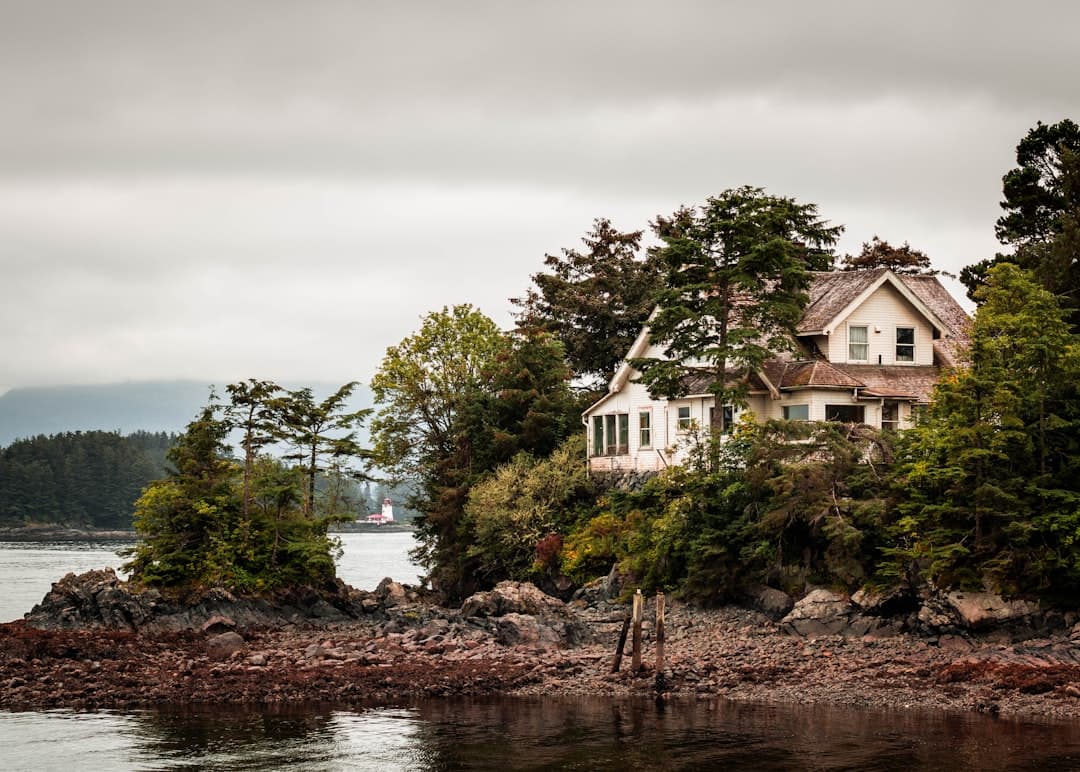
x,y
858,343
905,344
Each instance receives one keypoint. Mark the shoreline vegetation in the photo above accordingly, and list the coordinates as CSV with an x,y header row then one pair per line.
x,y
92,644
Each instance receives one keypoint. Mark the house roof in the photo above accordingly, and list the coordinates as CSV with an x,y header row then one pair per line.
x,y
899,381
835,294
698,385
831,293
948,350
890,381
818,372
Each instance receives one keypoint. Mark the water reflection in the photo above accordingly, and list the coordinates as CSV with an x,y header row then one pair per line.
x,y
538,734
314,739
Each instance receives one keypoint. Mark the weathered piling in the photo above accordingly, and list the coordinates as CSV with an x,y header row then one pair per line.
x,y
659,632
639,610
617,661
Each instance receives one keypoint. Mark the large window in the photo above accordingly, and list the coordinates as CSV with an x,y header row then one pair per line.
x,y
847,414
796,412
858,343
905,344
684,418
611,434
645,429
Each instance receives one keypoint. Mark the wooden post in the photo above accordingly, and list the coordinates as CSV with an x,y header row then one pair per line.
x,y
617,663
639,612
659,633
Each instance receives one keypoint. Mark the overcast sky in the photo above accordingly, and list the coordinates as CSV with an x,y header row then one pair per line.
x,y
226,189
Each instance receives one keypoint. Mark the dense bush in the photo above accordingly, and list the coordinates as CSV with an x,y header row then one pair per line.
x,y
517,515
214,522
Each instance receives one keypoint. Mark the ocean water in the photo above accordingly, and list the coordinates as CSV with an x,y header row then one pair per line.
x,y
550,733
28,569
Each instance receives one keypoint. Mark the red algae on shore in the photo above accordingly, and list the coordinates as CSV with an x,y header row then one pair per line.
x,y
731,653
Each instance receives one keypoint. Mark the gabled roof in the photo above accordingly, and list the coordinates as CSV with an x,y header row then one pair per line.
x,y
836,294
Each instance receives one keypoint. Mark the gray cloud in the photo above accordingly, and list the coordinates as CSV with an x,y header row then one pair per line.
x,y
223,190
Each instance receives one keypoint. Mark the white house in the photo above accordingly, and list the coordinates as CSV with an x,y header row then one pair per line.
x,y
868,349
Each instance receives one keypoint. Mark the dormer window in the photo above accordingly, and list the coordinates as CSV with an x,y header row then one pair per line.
x,y
905,344
858,343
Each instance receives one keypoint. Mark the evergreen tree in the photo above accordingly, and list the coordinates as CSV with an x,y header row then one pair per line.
x,y
251,409
318,431
1042,215
594,301
194,533
989,490
736,280
186,517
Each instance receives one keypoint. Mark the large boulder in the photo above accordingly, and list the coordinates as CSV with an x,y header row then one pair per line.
x,y
390,593
820,612
771,602
520,614
984,610
512,598
94,599
823,612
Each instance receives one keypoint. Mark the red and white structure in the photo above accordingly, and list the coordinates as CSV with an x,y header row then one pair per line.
x,y
386,516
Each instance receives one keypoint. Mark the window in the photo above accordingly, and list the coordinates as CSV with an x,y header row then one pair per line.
x,y
919,413
684,417
890,416
905,344
611,434
644,422
846,414
858,343
796,412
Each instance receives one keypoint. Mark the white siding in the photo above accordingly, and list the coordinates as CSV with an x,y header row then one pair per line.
x,y
881,314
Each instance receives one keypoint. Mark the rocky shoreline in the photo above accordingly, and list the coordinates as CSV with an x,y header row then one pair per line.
x,y
59,533
87,646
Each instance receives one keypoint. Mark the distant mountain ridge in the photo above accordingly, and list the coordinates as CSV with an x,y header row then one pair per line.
x,y
154,406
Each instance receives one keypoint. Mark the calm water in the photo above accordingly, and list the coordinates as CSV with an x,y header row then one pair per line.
x,y
27,570
494,734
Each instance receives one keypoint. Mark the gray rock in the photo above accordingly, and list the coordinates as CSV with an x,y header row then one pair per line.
x,y
512,598
821,612
521,629
984,610
390,593
224,645
771,602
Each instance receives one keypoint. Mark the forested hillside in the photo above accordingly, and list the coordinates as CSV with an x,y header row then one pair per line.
x,y
79,479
